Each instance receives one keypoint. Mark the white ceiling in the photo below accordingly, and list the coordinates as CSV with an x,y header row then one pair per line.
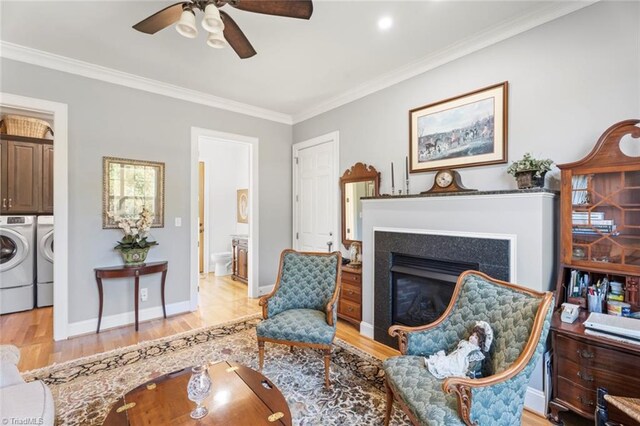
x,y
301,66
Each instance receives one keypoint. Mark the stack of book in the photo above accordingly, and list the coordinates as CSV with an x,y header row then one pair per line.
x,y
592,223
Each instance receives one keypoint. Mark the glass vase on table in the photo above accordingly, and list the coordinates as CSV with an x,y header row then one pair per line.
x,y
198,389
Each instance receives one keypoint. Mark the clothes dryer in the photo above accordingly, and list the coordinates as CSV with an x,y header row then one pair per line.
x,y
17,263
44,261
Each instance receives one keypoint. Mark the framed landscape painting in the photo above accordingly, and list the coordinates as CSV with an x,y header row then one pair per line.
x,y
468,130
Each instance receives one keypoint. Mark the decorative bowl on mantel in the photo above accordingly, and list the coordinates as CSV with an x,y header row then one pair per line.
x,y
529,179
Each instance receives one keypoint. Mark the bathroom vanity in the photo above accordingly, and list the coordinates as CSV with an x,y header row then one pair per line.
x,y
240,259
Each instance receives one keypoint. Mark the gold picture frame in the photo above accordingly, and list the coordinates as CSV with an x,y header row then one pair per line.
x,y
463,131
242,206
128,185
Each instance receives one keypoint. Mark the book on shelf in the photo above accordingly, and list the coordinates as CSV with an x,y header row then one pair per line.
x,y
580,193
593,222
587,215
592,228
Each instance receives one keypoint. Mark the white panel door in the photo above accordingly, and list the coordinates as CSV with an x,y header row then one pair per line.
x,y
316,198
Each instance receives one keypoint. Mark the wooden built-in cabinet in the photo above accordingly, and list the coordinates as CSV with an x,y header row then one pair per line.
x,y
240,251
47,179
350,301
26,178
600,238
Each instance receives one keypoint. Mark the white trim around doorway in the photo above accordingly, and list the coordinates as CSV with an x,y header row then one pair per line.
x,y
60,202
196,134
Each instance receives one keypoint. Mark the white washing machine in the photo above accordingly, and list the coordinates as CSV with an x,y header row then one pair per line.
x,y
44,261
17,263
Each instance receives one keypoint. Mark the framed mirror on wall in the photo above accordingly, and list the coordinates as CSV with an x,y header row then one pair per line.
x,y
130,185
357,182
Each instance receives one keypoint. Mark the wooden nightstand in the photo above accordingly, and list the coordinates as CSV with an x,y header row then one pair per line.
x,y
350,302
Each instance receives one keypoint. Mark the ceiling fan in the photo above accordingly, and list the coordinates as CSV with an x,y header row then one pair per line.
x,y
218,23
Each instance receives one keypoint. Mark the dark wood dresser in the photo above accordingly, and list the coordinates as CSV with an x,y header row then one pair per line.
x,y
350,302
240,251
582,363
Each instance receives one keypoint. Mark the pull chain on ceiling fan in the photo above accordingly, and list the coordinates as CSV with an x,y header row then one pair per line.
x,y
221,28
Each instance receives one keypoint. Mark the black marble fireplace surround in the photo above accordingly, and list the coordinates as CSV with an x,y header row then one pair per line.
x,y
491,256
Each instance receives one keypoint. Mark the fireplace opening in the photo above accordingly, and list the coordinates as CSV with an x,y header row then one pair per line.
x,y
421,288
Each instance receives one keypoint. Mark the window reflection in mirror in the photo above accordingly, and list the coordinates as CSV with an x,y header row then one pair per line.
x,y
130,185
357,182
353,192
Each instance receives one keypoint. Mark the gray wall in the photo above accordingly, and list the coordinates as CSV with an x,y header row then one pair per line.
x,y
569,80
112,120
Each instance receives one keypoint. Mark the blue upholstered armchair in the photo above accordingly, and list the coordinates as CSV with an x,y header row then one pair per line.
x,y
520,320
301,310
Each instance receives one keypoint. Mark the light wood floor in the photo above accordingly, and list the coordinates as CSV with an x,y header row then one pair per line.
x,y
221,299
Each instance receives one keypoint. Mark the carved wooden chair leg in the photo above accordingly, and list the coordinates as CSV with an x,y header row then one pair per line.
x,y
327,360
389,408
260,354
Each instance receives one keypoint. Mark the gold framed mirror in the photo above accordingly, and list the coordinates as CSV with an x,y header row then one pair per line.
x,y
357,182
129,185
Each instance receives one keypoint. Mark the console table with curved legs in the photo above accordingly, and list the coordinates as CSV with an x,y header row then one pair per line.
x,y
131,271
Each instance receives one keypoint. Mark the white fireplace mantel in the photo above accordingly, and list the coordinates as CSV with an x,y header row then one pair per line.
x,y
524,217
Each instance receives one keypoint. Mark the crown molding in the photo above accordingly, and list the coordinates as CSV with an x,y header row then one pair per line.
x,y
455,51
41,58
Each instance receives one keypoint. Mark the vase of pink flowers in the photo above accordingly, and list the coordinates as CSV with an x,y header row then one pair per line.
x,y
134,245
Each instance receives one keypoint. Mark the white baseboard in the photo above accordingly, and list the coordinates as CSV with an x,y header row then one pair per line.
x,y
534,400
366,329
126,318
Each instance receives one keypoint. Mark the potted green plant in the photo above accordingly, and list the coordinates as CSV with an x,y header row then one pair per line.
x,y
134,245
529,172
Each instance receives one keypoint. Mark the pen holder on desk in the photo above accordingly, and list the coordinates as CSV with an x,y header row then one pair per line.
x,y
594,302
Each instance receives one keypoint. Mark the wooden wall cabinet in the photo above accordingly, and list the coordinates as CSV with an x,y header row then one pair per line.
x,y
240,251
47,179
600,237
26,178
350,300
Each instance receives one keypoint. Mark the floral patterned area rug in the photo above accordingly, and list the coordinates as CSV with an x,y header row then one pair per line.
x,y
84,389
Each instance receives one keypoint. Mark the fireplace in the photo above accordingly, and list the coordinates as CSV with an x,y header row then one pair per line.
x,y
421,288
420,271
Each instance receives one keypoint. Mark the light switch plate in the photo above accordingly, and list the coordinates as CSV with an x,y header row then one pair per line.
x,y
178,221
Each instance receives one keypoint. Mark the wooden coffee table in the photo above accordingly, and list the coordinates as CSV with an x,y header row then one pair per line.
x,y
239,396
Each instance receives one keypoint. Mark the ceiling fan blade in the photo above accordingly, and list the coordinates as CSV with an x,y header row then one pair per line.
x,y
160,19
301,9
236,38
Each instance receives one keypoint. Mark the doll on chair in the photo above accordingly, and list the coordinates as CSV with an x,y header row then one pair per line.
x,y
456,364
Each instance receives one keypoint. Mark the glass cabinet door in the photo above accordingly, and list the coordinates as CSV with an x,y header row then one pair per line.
x,y
606,218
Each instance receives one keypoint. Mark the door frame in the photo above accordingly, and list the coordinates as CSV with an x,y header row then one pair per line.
x,y
205,218
254,260
60,202
332,138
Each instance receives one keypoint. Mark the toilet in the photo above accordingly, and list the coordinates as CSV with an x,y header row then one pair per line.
x,y
222,262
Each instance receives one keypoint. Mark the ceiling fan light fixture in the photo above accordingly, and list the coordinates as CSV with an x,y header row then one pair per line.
x,y
212,21
216,40
186,26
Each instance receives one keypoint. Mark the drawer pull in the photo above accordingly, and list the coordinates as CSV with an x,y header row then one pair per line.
x,y
585,354
350,292
585,376
585,402
350,309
